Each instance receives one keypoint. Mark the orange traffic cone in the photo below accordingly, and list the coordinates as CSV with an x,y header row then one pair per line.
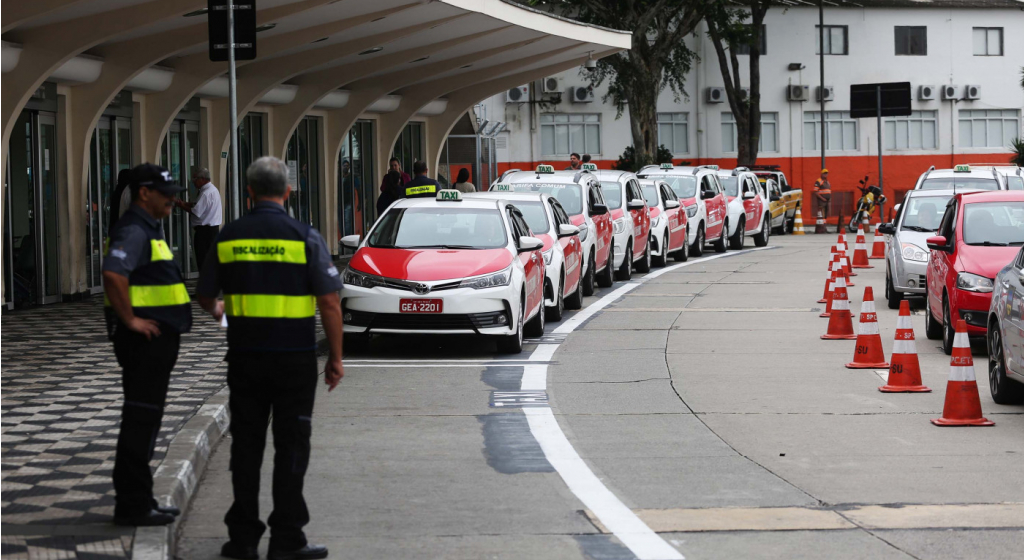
x,y
869,353
845,250
877,245
819,224
828,276
840,323
905,371
831,286
844,268
963,406
860,251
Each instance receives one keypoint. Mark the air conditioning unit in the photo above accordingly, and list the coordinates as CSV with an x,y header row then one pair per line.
x,y
926,93
972,92
829,93
582,94
950,92
798,93
715,95
520,94
744,93
553,84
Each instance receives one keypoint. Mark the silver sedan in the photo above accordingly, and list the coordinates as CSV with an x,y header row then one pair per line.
x,y
906,253
1006,334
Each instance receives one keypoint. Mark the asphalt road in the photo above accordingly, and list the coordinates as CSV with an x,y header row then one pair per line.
x,y
693,414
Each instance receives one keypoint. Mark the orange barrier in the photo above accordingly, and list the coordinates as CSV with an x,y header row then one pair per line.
x,y
840,323
905,371
869,353
963,406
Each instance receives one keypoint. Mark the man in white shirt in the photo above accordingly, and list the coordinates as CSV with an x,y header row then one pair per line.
x,y
205,214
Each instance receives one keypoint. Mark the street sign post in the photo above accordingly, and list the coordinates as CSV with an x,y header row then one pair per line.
x,y
890,99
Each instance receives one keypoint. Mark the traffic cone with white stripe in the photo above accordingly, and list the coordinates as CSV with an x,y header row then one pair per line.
x,y
828,276
877,245
860,251
905,371
798,223
963,406
819,224
831,287
869,353
840,323
845,250
844,268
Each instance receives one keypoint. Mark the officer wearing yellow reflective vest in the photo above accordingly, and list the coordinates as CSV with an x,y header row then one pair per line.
x,y
147,310
421,186
274,272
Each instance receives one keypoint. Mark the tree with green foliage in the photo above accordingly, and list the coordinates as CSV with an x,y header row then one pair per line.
x,y
627,161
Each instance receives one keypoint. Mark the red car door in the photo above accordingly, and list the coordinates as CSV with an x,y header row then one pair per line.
x,y
676,219
716,207
533,264
572,249
641,219
940,262
753,208
602,223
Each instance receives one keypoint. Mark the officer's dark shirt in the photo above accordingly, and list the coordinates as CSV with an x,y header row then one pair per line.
x,y
418,181
129,245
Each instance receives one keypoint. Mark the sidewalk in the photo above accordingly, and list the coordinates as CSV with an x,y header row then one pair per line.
x,y
61,406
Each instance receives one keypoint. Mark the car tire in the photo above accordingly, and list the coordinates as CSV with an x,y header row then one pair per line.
x,y
625,272
683,254
587,280
575,299
644,264
892,297
739,238
513,343
761,239
1004,390
607,276
660,260
932,328
535,327
789,224
720,245
697,248
948,329
554,314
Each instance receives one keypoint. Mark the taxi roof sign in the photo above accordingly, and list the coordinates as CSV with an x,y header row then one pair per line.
x,y
589,167
666,166
545,168
502,187
449,195
711,166
962,168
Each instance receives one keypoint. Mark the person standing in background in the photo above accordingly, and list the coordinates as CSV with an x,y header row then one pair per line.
x,y
395,165
823,192
462,183
390,191
574,162
205,214
586,158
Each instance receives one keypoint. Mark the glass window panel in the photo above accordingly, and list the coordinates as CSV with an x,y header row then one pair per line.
x,y
768,137
834,135
838,41
966,136
575,118
561,139
849,135
546,118
995,42
915,134
890,135
928,135
592,118
902,127
665,136
811,136
728,137
978,133
547,140
679,139
995,133
561,118
593,139
979,41
576,142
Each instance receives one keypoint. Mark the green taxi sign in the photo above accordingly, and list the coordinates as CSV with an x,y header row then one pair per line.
x,y
449,195
712,167
666,166
502,187
545,169
962,168
589,167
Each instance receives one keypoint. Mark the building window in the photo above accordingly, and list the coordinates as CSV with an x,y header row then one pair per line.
x,y
303,160
408,147
988,128
916,132
911,40
562,134
988,41
840,132
674,132
835,39
769,133
744,48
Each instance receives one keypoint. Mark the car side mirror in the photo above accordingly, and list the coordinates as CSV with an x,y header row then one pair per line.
x,y
567,230
887,229
775,198
937,243
1020,276
749,195
350,241
706,194
635,204
527,244
671,204
599,210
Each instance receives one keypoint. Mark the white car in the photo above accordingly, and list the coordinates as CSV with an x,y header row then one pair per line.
x,y
447,266
701,193
748,208
961,178
669,228
580,195
631,220
562,249
1012,174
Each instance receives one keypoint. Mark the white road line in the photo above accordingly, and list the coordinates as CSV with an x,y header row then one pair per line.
x,y
543,353
576,320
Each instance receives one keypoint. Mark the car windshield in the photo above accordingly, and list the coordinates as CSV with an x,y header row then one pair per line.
x,y
731,184
536,216
923,213
650,194
570,195
994,223
612,194
1015,183
439,228
942,183
684,187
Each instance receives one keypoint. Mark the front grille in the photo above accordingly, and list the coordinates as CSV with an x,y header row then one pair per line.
x,y
427,322
408,286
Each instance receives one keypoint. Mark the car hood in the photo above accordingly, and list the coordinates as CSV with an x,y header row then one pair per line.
x,y
655,212
688,201
985,261
427,265
918,238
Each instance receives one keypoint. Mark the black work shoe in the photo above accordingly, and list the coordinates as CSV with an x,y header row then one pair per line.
x,y
151,518
308,552
170,510
239,551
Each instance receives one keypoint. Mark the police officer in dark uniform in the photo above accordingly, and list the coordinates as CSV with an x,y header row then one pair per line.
x,y
147,310
421,186
274,272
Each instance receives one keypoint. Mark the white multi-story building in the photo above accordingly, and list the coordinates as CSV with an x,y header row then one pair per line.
x,y
974,46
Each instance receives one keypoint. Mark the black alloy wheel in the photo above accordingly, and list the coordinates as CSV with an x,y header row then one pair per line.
x,y
697,248
587,280
1004,390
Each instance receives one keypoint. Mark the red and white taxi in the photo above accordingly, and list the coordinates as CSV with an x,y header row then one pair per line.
x,y
748,209
580,195
669,231
447,266
701,194
563,252
631,220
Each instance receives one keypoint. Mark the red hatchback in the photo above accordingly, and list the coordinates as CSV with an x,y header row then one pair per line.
x,y
980,233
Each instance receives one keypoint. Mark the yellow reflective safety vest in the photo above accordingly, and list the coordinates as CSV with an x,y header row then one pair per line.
x,y
262,270
421,187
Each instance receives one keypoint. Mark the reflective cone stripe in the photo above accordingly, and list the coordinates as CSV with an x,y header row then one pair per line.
x,y
828,278
831,284
845,269
840,322
962,406
844,249
868,353
877,245
905,370
798,223
860,251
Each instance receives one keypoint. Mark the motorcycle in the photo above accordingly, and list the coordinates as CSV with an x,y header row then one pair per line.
x,y
871,198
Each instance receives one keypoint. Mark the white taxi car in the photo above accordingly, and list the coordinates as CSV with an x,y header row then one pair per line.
x,y
749,212
669,227
563,252
631,220
447,266
961,178
702,195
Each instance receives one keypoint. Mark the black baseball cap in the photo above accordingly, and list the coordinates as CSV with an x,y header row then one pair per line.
x,y
155,177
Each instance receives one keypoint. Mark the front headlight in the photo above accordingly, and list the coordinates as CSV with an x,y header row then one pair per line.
x,y
912,252
584,230
691,211
361,279
620,225
547,256
974,283
656,222
492,280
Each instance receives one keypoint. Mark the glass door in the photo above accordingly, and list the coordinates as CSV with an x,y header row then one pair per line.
x,y
176,225
49,237
98,204
190,157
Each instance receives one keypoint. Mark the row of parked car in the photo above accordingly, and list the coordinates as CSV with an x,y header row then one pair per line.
x,y
957,239
503,262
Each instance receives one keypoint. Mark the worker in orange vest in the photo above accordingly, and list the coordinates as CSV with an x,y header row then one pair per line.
x,y
823,192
